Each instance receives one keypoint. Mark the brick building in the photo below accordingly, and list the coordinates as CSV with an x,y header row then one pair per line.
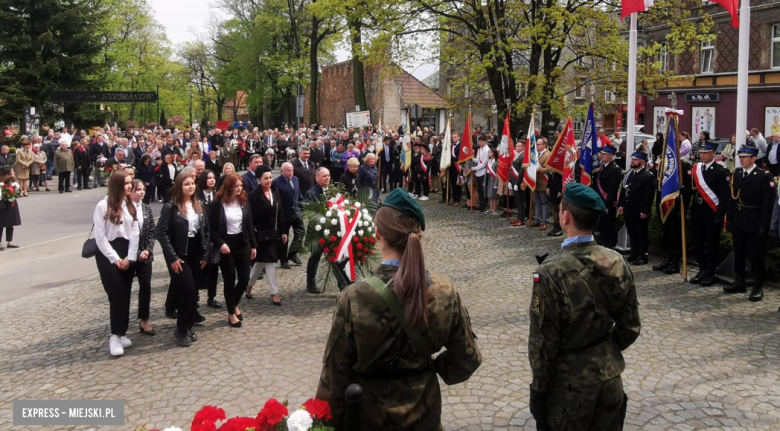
x,y
394,95
708,94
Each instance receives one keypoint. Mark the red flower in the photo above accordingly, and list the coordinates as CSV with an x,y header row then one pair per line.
x,y
362,259
273,413
322,241
332,259
206,418
332,239
371,252
355,239
359,254
318,409
360,246
326,250
365,239
239,424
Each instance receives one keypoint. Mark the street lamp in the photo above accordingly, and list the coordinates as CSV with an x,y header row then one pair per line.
x,y
190,105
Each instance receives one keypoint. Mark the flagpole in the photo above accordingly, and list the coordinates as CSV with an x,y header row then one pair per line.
x,y
506,196
379,162
632,48
682,207
471,173
742,72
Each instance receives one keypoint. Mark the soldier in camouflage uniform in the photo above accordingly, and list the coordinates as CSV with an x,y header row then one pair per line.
x,y
584,313
369,345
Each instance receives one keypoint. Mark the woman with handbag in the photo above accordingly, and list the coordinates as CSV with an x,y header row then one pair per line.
x,y
142,267
116,235
386,328
206,195
37,167
232,232
183,233
265,204
9,211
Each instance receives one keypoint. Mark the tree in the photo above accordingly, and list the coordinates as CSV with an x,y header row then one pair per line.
x,y
48,45
163,119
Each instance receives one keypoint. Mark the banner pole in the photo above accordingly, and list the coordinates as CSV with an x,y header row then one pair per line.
x,y
682,209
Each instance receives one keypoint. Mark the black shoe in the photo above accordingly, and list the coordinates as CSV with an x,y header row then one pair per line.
x,y
192,336
235,325
182,340
442,201
150,332
172,314
285,266
312,289
672,269
296,261
62,191
77,188
240,316
69,191
738,286
87,188
661,266
640,260
632,257
213,303
558,232
697,279
757,293
198,318
249,296
708,280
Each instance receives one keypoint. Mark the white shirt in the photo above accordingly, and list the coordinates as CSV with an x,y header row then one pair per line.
x,y
707,166
482,161
208,196
746,172
192,218
172,171
105,232
234,217
139,213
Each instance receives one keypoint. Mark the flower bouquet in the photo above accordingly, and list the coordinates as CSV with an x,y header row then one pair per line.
x,y
342,229
274,416
9,192
106,172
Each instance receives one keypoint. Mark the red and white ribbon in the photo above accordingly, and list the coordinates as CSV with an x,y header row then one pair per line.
x,y
347,229
705,191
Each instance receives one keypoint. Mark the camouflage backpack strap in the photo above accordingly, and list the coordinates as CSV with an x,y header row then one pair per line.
x,y
586,276
415,336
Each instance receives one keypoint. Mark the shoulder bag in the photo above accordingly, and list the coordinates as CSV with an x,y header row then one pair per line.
x,y
90,248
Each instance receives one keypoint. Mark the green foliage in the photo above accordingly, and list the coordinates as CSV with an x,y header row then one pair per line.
x,y
163,119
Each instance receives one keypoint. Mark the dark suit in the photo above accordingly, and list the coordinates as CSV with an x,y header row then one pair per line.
x,y
165,181
306,176
521,197
773,168
6,161
316,156
636,199
708,224
749,216
386,165
607,185
250,181
291,196
454,174
314,193
214,166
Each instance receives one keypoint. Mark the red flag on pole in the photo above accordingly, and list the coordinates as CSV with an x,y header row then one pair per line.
x,y
731,6
627,7
466,150
565,141
506,152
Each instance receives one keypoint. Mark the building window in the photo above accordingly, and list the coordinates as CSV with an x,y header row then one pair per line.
x,y
664,58
707,54
609,96
776,45
578,125
579,92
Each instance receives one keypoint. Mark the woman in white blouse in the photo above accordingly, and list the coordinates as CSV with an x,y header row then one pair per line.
x,y
116,233
183,233
232,231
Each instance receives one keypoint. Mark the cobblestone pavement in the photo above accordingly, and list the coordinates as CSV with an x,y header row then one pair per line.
x,y
704,360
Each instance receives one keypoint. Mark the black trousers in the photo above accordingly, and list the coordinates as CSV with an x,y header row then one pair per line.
x,y
455,188
184,285
9,234
209,280
82,178
117,284
421,187
672,230
297,240
311,271
749,243
706,239
637,232
143,270
237,262
607,227
64,181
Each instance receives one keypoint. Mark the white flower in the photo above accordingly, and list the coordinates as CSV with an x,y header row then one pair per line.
x,y
300,420
318,228
326,232
329,213
357,204
346,202
172,429
322,220
338,233
360,232
15,185
2,184
334,222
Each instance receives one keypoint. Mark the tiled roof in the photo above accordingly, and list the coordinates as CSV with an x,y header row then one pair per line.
x,y
241,97
414,92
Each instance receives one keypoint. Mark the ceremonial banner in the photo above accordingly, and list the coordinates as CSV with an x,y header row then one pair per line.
x,y
557,159
506,152
446,149
406,152
529,157
627,7
466,145
568,167
589,153
670,166
379,146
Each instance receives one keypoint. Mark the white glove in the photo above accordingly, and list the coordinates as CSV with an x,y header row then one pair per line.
x,y
515,187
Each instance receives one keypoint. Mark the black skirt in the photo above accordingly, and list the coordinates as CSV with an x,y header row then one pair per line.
x,y
9,215
268,251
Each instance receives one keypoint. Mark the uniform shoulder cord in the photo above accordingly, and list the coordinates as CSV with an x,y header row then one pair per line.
x,y
738,197
693,182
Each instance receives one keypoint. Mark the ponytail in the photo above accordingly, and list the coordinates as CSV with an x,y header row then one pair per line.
x,y
403,234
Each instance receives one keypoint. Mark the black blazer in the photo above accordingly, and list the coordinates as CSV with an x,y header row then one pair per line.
x,y
218,224
164,176
752,211
214,166
717,178
314,193
306,177
637,197
265,216
172,230
608,180
290,198
146,240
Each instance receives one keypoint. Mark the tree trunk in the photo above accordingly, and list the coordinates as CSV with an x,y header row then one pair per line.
x,y
220,102
314,71
358,75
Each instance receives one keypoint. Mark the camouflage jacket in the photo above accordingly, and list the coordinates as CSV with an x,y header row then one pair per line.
x,y
368,346
572,337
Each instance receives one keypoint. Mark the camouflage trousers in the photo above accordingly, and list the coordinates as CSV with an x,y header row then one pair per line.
x,y
599,407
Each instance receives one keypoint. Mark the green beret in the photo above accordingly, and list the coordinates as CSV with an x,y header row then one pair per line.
x,y
584,197
400,200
